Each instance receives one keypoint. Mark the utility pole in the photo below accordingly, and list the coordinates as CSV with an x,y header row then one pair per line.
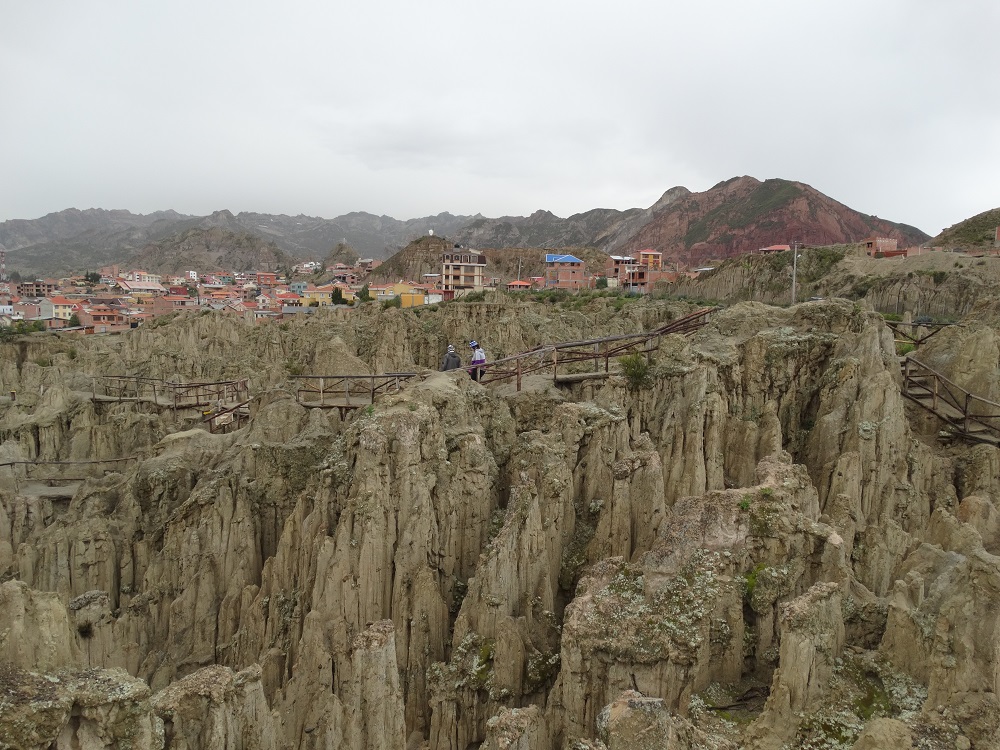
x,y
795,266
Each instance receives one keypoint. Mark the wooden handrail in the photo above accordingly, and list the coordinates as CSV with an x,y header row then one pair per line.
x,y
951,383
942,389
515,366
67,463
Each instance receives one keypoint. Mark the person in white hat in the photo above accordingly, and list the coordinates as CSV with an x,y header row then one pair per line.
x,y
451,360
478,358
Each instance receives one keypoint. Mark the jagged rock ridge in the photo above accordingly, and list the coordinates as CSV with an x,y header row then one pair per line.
x,y
557,567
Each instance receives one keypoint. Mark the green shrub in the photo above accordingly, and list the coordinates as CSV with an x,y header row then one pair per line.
x,y
396,302
636,371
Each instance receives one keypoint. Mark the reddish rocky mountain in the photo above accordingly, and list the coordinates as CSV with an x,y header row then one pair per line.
x,y
744,214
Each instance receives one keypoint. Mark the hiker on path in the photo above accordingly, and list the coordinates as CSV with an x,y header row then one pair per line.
x,y
451,360
478,358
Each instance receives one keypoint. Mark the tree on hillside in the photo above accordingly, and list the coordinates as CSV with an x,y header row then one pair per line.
x,y
92,277
74,321
363,295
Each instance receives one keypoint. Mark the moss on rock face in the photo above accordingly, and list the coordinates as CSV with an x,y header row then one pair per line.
x,y
36,709
645,621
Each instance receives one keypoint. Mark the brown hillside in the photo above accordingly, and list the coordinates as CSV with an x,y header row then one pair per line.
x,y
744,214
213,249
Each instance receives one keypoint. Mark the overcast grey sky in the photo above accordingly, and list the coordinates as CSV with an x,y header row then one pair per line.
x,y
414,108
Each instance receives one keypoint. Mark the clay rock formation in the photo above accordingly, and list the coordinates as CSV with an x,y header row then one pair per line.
x,y
92,709
517,729
690,611
812,637
461,564
34,629
216,708
635,722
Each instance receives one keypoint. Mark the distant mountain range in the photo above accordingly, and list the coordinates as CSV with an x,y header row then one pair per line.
x,y
733,217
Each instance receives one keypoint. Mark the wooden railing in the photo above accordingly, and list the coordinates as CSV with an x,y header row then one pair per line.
x,y
228,419
347,391
910,336
57,475
599,351
969,415
167,393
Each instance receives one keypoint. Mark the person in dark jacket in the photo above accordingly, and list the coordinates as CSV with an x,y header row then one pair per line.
x,y
451,360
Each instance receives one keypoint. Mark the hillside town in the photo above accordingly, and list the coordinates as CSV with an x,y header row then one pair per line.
x,y
117,298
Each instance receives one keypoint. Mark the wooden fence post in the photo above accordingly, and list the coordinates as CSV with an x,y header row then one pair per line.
x,y
518,361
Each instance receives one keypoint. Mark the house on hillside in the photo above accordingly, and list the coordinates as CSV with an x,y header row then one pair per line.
x,y
61,307
37,288
646,271
617,268
518,286
564,272
142,277
169,303
27,309
462,271
141,289
881,247
102,318
651,260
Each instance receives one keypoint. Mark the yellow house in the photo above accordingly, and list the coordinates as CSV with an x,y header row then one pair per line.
x,y
62,308
409,294
345,291
321,295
